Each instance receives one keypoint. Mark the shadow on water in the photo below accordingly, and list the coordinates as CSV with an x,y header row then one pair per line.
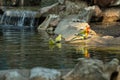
x,y
21,48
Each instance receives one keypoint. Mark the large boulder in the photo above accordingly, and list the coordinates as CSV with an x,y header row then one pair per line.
x,y
40,73
92,69
72,25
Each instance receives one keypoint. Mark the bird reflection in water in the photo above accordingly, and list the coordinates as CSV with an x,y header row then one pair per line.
x,y
83,50
55,42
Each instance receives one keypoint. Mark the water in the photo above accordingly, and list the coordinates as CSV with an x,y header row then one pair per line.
x,y
23,49
18,18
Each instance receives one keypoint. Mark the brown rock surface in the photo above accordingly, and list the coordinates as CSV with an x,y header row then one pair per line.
x,y
111,15
92,69
118,77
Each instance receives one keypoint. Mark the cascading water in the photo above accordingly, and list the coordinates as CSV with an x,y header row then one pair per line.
x,y
18,18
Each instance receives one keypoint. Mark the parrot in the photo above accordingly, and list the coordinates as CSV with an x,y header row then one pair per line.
x,y
58,38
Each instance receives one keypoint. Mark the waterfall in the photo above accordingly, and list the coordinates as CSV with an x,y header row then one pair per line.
x,y
18,18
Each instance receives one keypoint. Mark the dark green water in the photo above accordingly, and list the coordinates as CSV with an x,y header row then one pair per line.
x,y
28,49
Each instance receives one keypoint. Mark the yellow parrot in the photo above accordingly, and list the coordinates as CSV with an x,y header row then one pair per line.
x,y
58,38
51,41
84,33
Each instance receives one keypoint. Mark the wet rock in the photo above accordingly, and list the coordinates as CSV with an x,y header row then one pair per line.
x,y
44,74
92,69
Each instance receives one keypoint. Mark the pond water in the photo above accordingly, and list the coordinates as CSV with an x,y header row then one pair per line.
x,y
23,49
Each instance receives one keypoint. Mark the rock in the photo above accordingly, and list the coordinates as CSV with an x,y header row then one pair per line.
x,y
39,73
74,8
118,77
47,8
116,3
2,74
51,20
54,22
85,69
14,75
87,13
97,11
111,15
110,68
69,27
105,40
91,69
61,1
104,3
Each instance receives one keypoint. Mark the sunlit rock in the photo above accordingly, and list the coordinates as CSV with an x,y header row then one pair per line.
x,y
111,15
92,69
44,74
68,28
